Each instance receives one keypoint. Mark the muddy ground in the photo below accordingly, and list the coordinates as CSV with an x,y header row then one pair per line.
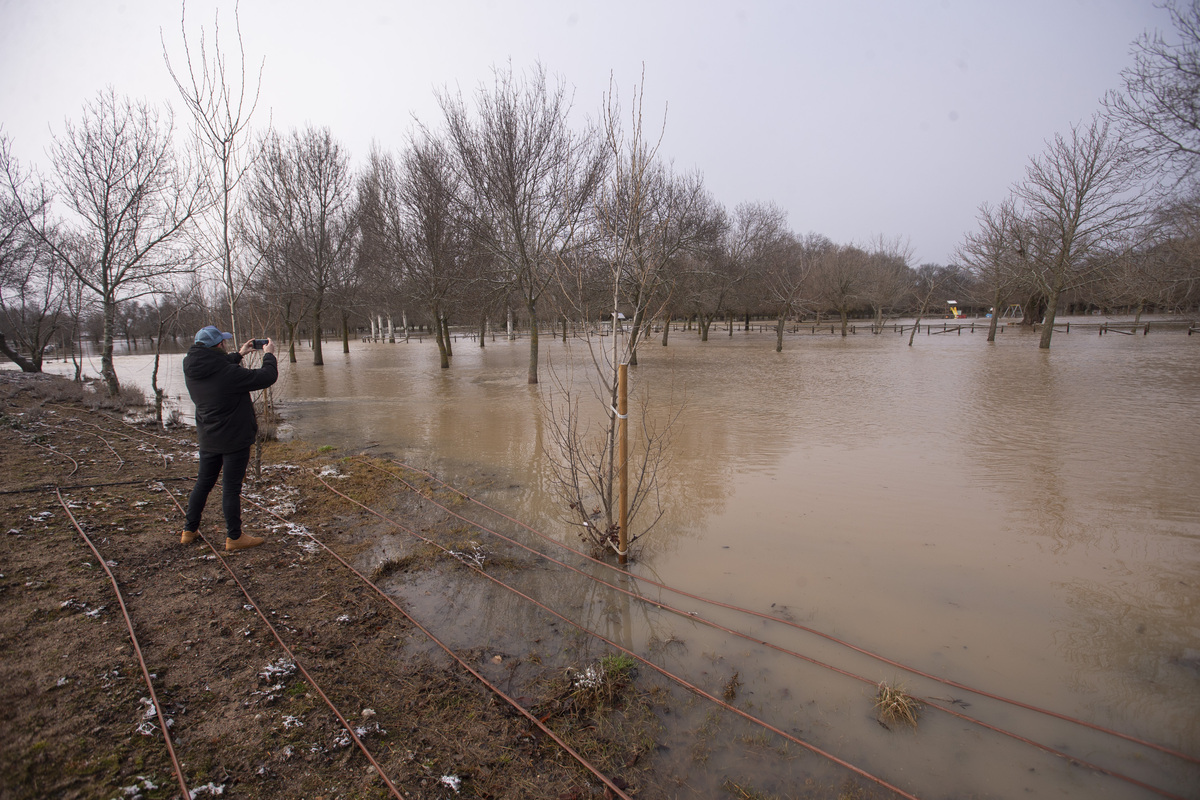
x,y
244,722
243,719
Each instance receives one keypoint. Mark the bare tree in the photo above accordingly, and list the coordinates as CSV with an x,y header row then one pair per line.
x,y
841,280
32,292
787,278
528,180
1080,197
128,200
642,218
1176,254
1158,110
411,209
888,278
931,283
733,254
992,255
32,305
221,113
304,193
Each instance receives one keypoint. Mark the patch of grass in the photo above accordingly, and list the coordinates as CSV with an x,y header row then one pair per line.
x,y
601,685
894,704
326,448
618,666
729,691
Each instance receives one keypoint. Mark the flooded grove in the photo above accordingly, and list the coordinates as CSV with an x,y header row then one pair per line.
x,y
1023,521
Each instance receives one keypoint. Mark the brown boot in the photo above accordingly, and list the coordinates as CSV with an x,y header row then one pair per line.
x,y
188,536
242,542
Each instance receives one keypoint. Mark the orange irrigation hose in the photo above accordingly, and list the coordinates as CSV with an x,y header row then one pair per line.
x,y
899,665
846,673
349,728
162,720
59,453
665,673
492,687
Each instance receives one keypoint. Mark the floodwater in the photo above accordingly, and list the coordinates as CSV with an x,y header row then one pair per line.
x,y
1022,521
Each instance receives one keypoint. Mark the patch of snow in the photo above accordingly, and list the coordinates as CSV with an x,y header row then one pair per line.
x,y
283,668
590,678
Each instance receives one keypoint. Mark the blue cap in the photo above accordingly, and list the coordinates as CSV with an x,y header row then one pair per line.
x,y
211,336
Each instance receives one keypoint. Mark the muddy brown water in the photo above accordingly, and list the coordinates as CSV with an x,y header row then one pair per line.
x,y
1022,521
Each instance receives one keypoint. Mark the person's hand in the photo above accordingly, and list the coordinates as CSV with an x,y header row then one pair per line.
x,y
247,347
269,347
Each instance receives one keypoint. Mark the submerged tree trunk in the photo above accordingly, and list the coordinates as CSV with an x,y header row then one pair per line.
x,y
994,321
779,331
533,343
291,335
1048,323
318,358
443,340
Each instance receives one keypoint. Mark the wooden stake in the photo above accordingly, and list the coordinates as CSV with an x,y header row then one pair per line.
x,y
623,458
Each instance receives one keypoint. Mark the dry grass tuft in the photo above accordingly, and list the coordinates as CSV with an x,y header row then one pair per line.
x,y
894,704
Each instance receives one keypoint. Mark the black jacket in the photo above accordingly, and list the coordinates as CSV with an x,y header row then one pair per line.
x,y
220,387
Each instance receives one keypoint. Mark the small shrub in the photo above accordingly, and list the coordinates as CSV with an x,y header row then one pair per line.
x,y
895,704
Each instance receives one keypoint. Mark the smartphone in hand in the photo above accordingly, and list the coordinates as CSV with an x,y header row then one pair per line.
x,y
258,344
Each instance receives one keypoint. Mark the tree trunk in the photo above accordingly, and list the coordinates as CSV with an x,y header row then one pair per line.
x,y
845,320
666,328
318,358
634,331
533,343
779,331
439,336
25,364
996,298
291,334
345,332
1048,324
107,371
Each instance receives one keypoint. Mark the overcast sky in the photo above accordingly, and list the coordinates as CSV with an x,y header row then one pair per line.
x,y
859,118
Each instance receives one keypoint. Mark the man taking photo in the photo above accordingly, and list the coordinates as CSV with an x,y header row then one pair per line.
x,y
220,388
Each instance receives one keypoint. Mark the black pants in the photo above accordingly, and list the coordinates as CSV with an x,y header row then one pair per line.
x,y
233,465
